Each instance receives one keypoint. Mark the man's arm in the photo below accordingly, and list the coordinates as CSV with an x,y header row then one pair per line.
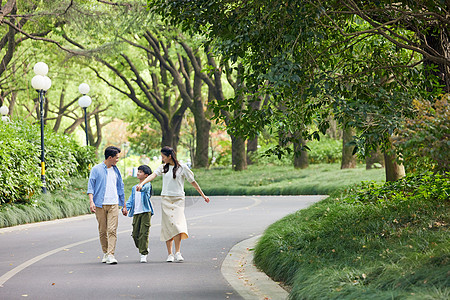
x,y
91,203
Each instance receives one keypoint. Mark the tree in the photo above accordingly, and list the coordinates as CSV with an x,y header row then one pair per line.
x,y
300,47
348,157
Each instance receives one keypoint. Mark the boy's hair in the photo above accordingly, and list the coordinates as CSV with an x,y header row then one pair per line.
x,y
111,151
146,169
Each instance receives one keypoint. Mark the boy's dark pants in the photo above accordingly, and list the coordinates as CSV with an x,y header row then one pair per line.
x,y
141,228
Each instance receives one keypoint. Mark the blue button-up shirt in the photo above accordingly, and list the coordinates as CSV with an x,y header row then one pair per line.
x,y
97,184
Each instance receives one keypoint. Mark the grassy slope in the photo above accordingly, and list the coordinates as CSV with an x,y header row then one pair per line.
x,y
391,249
56,205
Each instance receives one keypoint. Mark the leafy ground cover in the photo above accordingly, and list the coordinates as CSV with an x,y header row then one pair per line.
x,y
371,241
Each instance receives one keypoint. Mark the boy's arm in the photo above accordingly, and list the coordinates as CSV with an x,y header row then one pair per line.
x,y
146,187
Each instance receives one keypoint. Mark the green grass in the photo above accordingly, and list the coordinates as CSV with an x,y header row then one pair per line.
x,y
69,202
274,180
360,244
267,180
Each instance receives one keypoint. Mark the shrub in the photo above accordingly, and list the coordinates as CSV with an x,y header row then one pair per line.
x,y
20,161
425,139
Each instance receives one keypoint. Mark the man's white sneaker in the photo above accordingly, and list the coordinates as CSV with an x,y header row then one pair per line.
x,y
178,257
170,258
105,258
143,258
111,260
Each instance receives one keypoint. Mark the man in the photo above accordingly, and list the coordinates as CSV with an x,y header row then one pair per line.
x,y
106,194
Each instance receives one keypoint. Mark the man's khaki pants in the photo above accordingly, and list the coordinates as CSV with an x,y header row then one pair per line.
x,y
108,219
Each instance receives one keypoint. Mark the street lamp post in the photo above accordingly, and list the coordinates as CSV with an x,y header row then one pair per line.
x,y
84,102
4,110
41,83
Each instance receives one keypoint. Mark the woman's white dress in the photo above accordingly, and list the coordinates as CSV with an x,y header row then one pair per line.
x,y
173,220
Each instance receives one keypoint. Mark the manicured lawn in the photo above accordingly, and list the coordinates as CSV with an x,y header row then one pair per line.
x,y
319,179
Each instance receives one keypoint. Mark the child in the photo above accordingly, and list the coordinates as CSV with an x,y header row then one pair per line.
x,y
140,208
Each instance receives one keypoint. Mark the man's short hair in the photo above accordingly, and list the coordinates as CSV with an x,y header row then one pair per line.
x,y
111,151
146,169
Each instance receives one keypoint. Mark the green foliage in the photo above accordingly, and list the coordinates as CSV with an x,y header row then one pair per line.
x,y
367,242
85,157
424,140
20,161
424,186
223,158
323,151
317,58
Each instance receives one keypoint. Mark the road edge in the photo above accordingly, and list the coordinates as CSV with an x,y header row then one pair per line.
x,y
240,272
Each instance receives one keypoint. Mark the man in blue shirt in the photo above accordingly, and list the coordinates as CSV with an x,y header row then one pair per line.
x,y
106,194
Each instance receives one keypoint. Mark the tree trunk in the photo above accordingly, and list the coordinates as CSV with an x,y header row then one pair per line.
x,y
238,155
334,132
300,156
12,103
438,39
252,147
348,159
394,170
171,133
167,136
202,125
374,157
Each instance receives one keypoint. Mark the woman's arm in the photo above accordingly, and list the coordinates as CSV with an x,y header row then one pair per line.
x,y
148,179
199,190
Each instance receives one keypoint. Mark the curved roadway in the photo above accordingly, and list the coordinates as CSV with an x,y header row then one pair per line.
x,y
61,259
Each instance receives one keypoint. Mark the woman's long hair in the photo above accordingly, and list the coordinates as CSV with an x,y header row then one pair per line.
x,y
166,150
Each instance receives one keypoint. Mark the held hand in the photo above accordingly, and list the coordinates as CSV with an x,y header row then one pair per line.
x,y
92,207
124,211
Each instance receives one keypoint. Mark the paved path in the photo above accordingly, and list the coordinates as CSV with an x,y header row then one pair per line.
x,y
61,259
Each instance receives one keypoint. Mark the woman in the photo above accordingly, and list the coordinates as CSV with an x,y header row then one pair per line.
x,y
173,220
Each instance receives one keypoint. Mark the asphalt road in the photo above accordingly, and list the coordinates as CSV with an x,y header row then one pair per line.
x,y
62,259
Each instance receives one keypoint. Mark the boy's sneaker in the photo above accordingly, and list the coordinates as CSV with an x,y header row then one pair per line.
x,y
178,257
105,258
111,260
170,258
143,258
